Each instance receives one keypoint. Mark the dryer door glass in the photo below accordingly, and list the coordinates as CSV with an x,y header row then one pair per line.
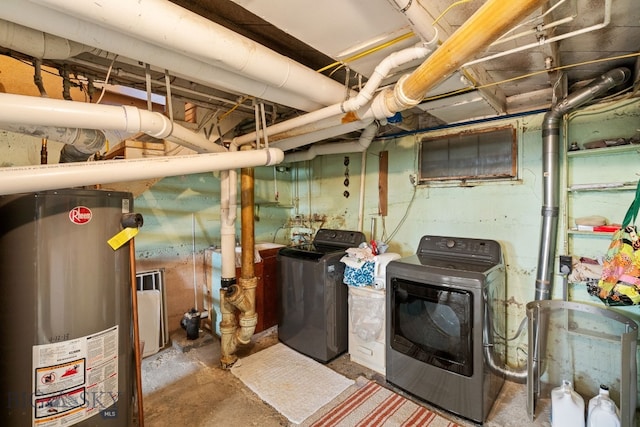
x,y
433,324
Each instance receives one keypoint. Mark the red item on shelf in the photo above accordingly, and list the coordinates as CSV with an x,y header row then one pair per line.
x,y
607,228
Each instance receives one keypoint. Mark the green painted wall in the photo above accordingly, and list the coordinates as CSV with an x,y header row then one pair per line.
x,y
310,196
183,212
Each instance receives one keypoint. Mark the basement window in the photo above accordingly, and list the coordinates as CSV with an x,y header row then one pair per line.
x,y
487,154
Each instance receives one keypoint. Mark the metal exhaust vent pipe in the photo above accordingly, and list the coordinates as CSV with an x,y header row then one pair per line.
x,y
550,208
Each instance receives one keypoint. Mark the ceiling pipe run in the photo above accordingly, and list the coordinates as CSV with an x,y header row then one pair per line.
x,y
553,39
488,23
318,131
42,19
38,44
358,146
163,23
22,179
465,43
420,21
35,111
339,112
80,144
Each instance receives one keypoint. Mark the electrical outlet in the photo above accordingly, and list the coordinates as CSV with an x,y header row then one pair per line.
x,y
413,178
565,264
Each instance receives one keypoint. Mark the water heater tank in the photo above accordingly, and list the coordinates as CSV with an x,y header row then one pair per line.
x,y
66,344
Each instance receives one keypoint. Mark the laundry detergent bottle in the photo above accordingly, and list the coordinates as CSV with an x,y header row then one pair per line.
x,y
567,406
602,411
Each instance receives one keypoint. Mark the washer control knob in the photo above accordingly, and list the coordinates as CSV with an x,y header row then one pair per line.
x,y
451,243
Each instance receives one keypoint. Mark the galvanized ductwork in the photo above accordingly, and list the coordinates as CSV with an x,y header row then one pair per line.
x,y
550,174
550,208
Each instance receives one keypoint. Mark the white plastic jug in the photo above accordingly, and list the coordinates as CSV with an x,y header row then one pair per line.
x,y
602,411
567,406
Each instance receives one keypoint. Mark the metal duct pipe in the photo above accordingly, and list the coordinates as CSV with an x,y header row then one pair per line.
x,y
22,179
550,174
35,111
550,207
80,143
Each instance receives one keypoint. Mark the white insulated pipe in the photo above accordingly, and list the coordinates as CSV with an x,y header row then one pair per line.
x,y
336,111
337,128
20,179
548,40
421,22
358,146
49,21
38,44
228,215
37,111
163,23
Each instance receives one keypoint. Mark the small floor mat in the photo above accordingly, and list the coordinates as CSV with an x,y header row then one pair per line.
x,y
294,384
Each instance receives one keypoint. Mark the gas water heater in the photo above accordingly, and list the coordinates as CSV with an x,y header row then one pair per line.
x,y
66,349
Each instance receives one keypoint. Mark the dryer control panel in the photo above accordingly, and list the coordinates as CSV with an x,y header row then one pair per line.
x,y
476,249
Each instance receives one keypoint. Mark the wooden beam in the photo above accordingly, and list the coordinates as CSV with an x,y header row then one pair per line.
x,y
383,186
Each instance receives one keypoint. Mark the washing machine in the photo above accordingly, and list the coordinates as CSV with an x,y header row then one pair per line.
x,y
313,307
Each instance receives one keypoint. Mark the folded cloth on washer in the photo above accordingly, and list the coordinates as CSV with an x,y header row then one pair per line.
x,y
359,265
359,254
352,262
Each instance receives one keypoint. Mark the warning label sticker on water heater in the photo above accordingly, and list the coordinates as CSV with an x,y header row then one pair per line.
x,y
76,379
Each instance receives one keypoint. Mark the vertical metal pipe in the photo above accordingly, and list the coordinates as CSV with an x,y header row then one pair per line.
x,y
136,332
550,172
248,227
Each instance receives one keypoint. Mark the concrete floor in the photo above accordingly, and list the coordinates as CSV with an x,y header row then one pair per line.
x,y
184,385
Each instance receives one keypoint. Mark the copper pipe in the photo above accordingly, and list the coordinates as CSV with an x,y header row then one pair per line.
x,y
247,182
136,331
489,22
43,152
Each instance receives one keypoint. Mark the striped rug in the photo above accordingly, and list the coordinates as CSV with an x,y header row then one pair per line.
x,y
372,405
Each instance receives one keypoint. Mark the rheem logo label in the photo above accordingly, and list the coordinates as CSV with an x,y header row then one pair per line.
x,y
80,215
